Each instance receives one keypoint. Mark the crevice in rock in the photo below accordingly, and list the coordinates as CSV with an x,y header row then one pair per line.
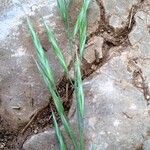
x,y
112,38
116,36
140,83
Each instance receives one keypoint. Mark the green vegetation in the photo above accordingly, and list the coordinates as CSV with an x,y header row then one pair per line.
x,y
47,72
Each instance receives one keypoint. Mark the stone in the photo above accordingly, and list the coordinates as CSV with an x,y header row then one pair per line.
x,y
118,11
93,49
22,90
146,145
46,141
140,35
93,14
116,112
93,17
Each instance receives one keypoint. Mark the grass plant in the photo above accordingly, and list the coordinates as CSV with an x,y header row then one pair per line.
x,y
47,74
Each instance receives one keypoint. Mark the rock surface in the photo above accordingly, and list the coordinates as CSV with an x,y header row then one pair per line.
x,y
146,145
118,11
93,50
47,141
117,95
22,90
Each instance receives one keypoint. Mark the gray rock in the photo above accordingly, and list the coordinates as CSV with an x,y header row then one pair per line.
x,y
22,90
93,14
140,35
118,11
146,145
46,141
116,112
117,115
94,49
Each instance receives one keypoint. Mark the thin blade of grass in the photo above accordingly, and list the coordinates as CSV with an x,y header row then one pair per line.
x,y
42,59
64,120
59,134
63,6
56,48
47,75
79,100
81,26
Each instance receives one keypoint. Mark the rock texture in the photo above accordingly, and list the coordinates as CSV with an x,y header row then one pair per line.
x,y
47,141
117,95
117,114
118,11
22,91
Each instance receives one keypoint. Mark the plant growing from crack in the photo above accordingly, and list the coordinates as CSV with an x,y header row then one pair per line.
x,y
46,70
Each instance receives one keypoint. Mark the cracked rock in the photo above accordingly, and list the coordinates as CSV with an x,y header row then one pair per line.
x,y
116,113
117,11
94,49
22,89
140,35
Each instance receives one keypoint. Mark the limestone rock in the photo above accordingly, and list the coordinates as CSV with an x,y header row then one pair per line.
x,y
140,35
94,49
22,90
118,11
117,115
146,145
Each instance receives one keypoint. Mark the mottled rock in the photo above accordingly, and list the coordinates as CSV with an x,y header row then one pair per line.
x,y
146,145
93,16
116,95
117,115
116,112
46,141
118,11
22,91
140,35
94,49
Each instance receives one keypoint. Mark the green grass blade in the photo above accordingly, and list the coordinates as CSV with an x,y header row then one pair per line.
x,y
64,120
56,48
79,100
69,131
59,134
63,6
81,26
42,59
47,75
